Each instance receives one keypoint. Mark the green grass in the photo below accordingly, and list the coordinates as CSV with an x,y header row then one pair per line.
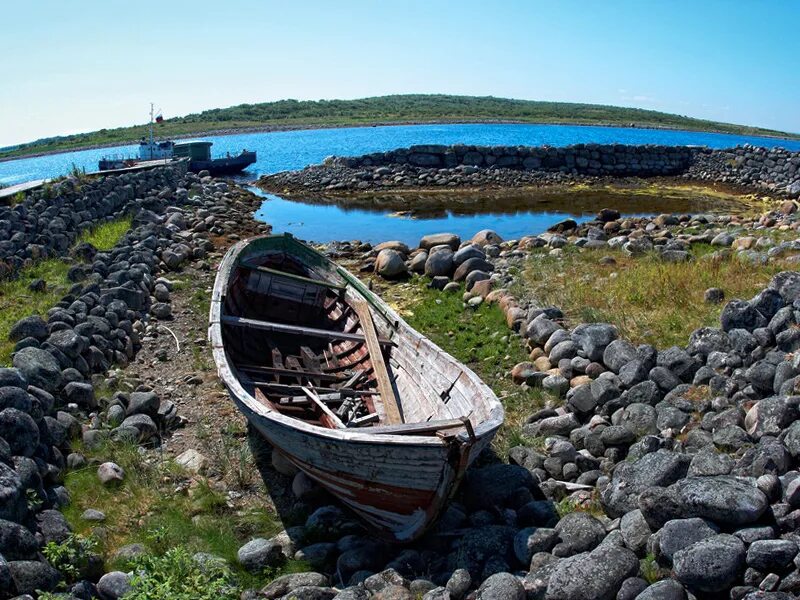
x,y
479,338
106,235
649,301
17,301
147,509
387,109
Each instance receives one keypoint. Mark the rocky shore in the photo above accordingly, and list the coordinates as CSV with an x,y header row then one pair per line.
x,y
118,300
679,465
650,473
775,171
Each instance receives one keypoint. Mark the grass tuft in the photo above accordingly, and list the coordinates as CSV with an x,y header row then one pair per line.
x,y
107,235
649,301
479,338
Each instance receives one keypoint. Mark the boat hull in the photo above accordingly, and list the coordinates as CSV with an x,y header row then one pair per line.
x,y
398,484
224,166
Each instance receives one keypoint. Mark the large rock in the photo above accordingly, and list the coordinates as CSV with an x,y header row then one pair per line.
x,y
20,431
710,565
389,264
597,575
619,353
69,342
114,585
677,534
771,556
31,576
39,367
440,239
145,403
13,502
259,554
17,542
439,263
501,586
579,532
723,499
470,265
666,589
593,338
660,468
486,237
395,245
14,397
287,583
739,314
34,327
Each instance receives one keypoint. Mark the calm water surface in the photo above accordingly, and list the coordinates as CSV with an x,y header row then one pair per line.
x,y
280,151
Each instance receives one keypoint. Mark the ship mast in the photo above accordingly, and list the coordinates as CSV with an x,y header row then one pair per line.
x,y
151,130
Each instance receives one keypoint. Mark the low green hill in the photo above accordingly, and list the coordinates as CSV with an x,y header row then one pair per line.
x,y
412,108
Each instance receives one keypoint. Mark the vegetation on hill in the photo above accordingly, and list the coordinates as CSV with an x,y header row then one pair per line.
x,y
416,108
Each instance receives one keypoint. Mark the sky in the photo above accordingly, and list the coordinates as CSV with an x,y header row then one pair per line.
x,y
71,67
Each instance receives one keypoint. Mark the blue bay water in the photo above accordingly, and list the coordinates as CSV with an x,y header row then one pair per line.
x,y
280,151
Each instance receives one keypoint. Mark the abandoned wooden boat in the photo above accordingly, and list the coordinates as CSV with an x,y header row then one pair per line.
x,y
338,383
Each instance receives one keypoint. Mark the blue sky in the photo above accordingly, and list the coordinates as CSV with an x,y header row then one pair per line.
x,y
78,66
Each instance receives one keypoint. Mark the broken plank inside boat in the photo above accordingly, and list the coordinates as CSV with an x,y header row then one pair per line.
x,y
339,384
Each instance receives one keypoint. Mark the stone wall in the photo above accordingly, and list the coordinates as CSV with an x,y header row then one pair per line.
x,y
775,170
48,221
588,159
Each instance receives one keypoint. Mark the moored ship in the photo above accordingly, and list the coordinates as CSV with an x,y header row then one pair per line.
x,y
198,152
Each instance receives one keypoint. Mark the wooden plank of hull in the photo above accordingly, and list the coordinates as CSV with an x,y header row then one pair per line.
x,y
400,490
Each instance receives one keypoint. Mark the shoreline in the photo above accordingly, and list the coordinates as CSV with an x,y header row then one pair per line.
x,y
313,127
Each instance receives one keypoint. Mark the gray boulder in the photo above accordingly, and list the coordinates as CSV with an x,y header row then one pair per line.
x,y
578,532
723,499
20,431
39,368
114,585
288,583
771,556
440,239
501,586
439,263
666,589
390,264
619,353
710,565
33,326
259,554
470,265
593,338
597,575
660,468
677,534
31,576
17,542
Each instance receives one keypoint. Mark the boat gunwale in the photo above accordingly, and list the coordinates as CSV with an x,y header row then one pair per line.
x,y
226,370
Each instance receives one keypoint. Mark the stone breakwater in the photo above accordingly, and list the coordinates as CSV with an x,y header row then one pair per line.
x,y
119,298
47,222
686,460
431,166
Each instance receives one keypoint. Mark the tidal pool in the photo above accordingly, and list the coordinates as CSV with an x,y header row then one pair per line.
x,y
511,213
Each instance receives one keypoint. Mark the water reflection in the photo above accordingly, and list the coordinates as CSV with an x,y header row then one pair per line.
x,y
512,213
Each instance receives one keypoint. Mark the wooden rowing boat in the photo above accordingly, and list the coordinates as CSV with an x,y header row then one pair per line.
x,y
338,383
